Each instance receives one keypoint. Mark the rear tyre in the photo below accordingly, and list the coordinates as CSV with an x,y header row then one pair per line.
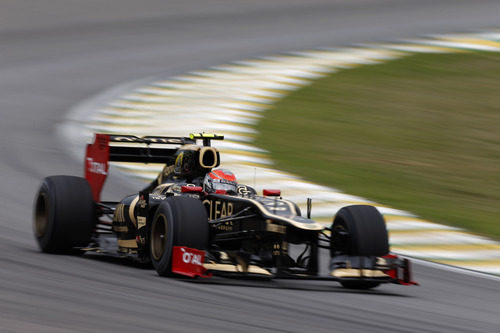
x,y
359,230
64,214
178,221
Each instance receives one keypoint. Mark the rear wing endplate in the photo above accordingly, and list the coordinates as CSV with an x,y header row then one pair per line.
x,y
129,148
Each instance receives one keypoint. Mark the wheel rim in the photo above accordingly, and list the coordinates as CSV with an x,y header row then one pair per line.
x,y
158,237
41,215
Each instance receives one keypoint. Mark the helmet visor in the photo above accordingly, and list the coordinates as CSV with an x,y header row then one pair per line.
x,y
225,186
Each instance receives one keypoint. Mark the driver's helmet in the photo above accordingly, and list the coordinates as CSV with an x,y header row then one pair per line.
x,y
220,180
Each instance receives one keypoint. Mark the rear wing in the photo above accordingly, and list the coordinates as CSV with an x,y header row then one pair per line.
x,y
129,148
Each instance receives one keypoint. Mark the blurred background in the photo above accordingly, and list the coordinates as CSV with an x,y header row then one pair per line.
x,y
57,54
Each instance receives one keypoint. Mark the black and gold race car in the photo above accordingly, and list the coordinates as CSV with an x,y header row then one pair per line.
x,y
185,227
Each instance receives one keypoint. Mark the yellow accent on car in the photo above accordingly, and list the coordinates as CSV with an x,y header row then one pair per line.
x,y
194,136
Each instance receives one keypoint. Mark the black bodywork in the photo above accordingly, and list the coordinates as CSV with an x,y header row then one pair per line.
x,y
248,234
246,227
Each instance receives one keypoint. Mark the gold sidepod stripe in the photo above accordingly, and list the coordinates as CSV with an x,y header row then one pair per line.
x,y
127,243
235,268
352,272
131,210
120,228
160,188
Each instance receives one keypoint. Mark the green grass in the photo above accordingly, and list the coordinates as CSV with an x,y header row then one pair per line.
x,y
421,133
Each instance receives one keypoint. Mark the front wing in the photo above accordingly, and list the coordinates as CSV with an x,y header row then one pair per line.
x,y
388,269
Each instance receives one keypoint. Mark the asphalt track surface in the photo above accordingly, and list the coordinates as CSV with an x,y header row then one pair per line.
x,y
55,54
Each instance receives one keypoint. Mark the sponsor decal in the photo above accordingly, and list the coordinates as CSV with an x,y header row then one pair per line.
x,y
227,226
218,209
275,206
96,167
147,140
141,221
188,261
244,190
190,258
142,202
123,139
165,140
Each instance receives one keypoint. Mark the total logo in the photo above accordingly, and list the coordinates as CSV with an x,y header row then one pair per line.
x,y
96,167
190,258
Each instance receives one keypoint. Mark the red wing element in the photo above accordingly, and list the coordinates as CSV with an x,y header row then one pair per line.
x,y
272,193
96,164
189,262
401,271
191,189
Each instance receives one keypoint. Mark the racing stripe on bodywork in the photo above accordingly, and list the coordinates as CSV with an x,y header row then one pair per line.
x,y
230,99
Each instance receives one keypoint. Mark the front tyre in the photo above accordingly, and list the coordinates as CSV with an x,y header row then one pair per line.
x,y
359,230
63,214
178,221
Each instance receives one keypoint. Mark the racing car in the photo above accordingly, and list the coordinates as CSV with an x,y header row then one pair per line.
x,y
195,220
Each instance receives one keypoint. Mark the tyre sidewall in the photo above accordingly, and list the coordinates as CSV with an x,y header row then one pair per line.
x,y
164,213
44,239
